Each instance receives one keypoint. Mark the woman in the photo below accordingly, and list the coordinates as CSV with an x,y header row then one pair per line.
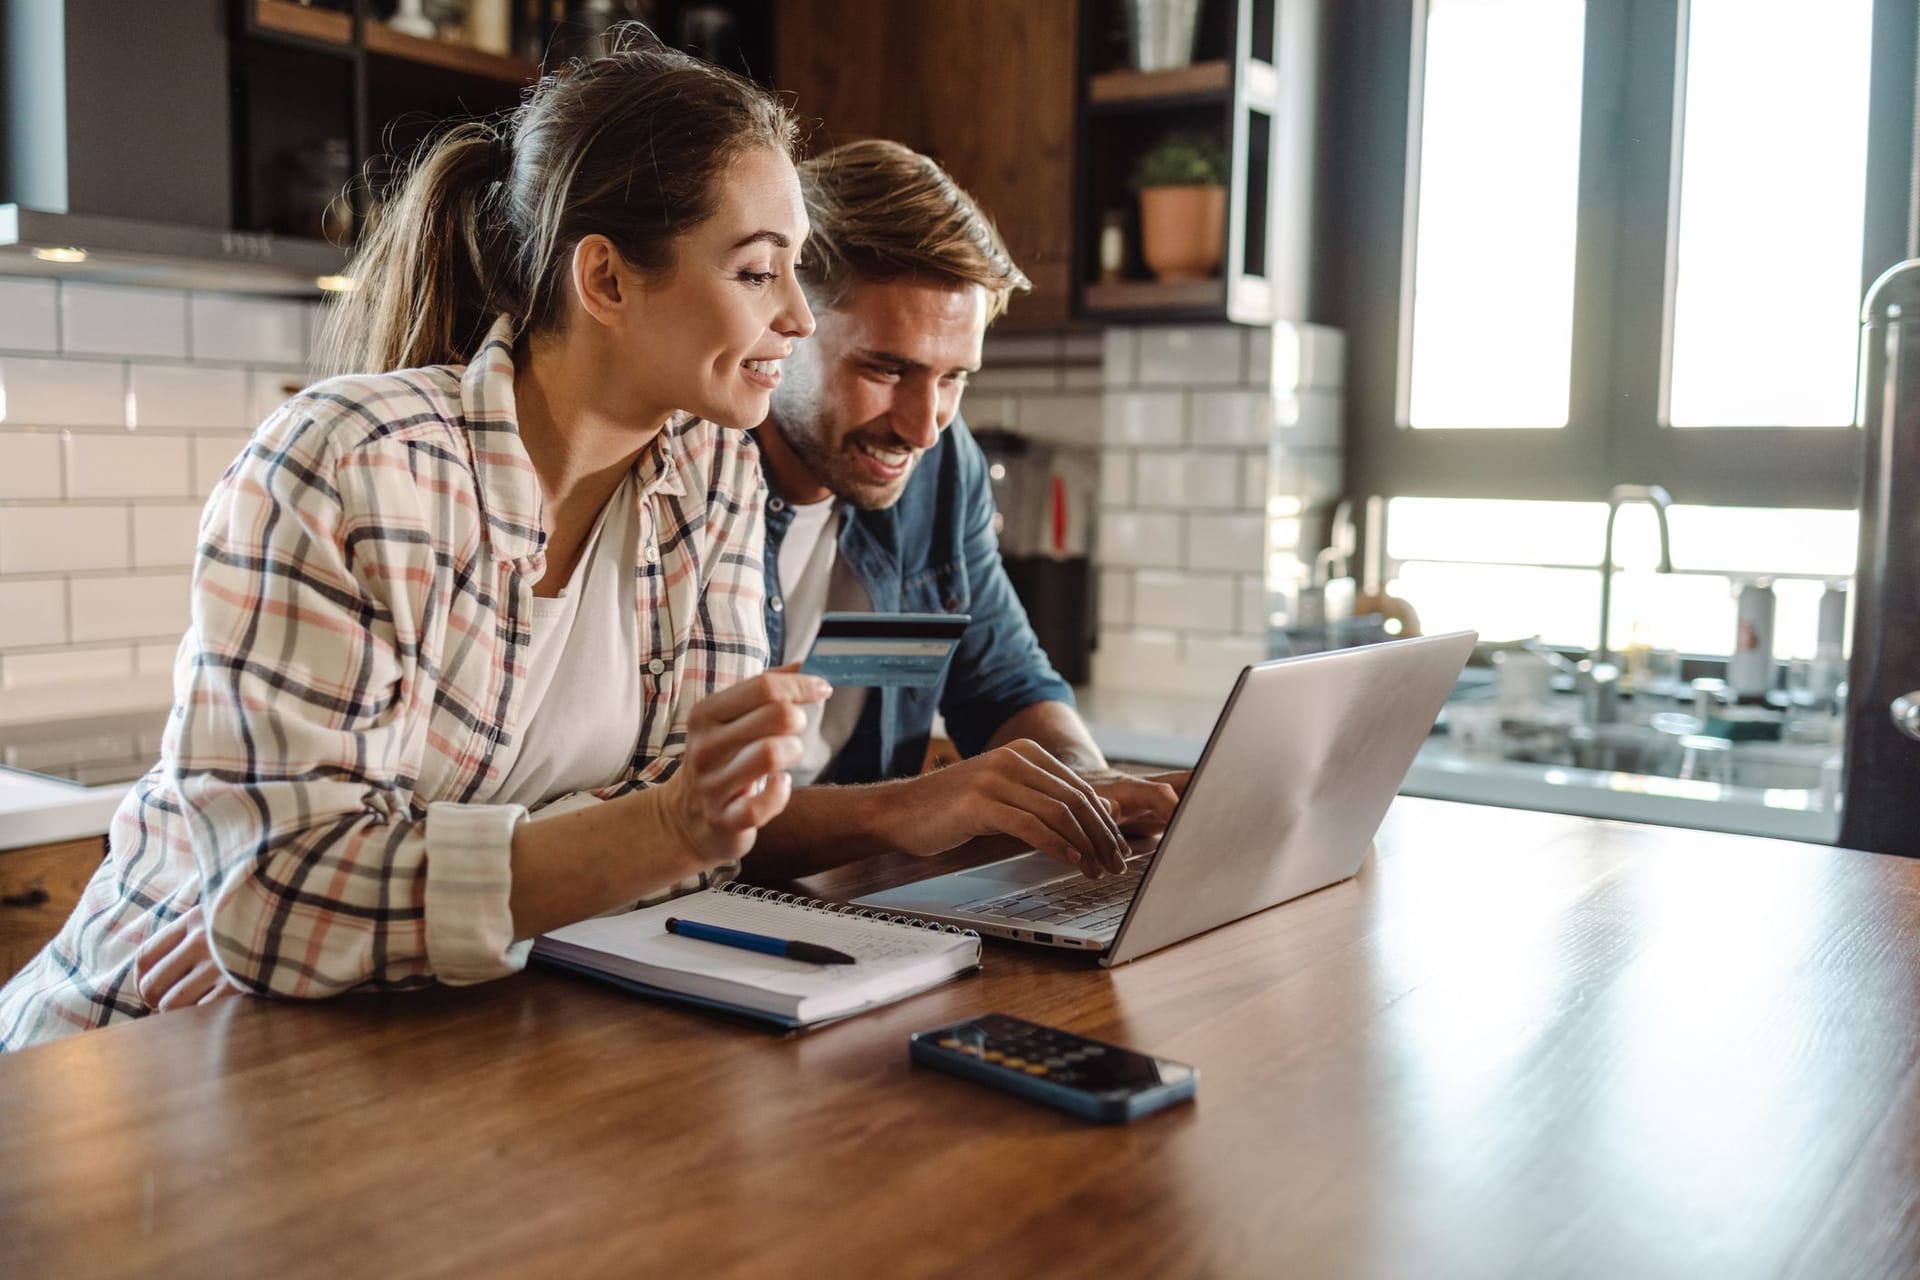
x,y
429,601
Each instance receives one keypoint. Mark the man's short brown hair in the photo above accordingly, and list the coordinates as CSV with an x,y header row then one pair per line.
x,y
883,212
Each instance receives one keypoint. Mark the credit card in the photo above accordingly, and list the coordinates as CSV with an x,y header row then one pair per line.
x,y
871,650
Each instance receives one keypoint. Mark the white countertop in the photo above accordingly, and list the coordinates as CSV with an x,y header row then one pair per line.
x,y
36,810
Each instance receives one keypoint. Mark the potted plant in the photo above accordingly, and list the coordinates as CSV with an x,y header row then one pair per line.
x,y
1183,205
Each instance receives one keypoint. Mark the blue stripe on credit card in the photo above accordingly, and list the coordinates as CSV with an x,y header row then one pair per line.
x,y
907,650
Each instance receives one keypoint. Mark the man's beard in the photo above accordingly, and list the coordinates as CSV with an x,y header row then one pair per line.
x,y
836,467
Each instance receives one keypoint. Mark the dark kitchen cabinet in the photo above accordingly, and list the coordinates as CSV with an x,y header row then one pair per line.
x,y
986,87
39,887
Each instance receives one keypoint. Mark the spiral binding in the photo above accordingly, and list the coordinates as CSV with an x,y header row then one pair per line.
x,y
744,890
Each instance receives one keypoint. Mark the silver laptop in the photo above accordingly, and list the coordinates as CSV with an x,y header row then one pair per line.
x,y
1299,770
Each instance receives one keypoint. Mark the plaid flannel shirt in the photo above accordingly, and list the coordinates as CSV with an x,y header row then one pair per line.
x,y
360,624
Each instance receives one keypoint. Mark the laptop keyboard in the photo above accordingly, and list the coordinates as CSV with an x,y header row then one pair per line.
x,y
1076,903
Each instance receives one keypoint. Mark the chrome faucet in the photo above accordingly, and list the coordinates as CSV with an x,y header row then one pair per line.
x,y
1621,494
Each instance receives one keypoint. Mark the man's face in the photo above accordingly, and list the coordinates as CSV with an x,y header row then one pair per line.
x,y
878,383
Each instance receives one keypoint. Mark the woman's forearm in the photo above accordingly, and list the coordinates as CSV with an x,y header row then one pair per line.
x,y
588,860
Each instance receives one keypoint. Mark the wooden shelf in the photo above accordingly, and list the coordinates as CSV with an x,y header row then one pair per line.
x,y
1153,86
385,41
288,18
1154,295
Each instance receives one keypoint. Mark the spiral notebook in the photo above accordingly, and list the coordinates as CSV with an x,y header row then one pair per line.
x,y
897,956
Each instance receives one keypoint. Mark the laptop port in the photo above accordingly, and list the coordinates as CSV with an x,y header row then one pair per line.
x,y
1043,937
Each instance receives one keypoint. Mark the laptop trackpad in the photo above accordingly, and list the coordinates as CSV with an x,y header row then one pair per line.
x,y
1012,873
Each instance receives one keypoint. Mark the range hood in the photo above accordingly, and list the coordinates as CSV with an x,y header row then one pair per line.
x,y
171,255
117,138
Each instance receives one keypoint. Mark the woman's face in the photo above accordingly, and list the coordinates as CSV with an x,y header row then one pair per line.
x,y
708,334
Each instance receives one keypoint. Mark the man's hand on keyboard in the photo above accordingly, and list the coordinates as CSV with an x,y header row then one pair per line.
x,y
1142,806
1018,790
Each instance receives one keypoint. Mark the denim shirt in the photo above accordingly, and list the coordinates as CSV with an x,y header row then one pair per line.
x,y
933,551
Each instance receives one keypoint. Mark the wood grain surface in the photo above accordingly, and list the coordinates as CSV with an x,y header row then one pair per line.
x,y
1517,1044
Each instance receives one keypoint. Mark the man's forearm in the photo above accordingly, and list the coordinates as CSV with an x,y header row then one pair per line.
x,y
1057,727
821,828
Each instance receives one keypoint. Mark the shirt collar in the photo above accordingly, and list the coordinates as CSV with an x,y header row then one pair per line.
x,y
509,487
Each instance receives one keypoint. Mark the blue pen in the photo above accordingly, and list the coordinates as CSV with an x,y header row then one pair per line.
x,y
811,952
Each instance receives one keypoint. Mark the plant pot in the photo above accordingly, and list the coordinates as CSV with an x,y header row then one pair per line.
x,y
1183,231
1160,33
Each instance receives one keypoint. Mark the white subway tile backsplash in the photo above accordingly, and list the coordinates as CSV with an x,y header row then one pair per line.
x,y
65,666
1191,355
155,658
212,455
165,535
1000,379
128,465
1116,597
1134,659
63,393
1082,377
254,330
1083,347
1223,656
1146,417
1183,480
33,613
29,463
269,389
1020,348
1232,418
178,395
61,539
29,315
1323,476
130,607
1116,478
1309,419
1201,602
1062,419
1251,617
1259,369
1303,356
1253,481
1117,356
1234,542
1146,538
99,319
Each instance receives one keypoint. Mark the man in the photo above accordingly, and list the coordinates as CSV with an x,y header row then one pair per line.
x,y
878,499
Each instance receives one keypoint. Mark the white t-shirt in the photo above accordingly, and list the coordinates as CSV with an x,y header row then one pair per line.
x,y
814,582
581,708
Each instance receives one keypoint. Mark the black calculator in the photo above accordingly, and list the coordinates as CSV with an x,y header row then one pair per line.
x,y
1058,1068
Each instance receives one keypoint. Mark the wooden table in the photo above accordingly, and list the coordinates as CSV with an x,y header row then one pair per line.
x,y
1517,1044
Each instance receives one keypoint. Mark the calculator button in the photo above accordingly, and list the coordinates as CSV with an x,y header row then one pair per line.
x,y
1014,1062
1094,1050
949,1043
1036,1070
991,1055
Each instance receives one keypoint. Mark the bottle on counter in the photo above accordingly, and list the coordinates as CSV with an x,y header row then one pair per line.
x,y
1750,669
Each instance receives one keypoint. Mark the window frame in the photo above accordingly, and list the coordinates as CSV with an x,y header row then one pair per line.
x,y
1627,234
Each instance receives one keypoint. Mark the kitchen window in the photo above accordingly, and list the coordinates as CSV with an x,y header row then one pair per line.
x,y
1634,234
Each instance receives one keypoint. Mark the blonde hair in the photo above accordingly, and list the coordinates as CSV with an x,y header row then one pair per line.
x,y
882,212
631,145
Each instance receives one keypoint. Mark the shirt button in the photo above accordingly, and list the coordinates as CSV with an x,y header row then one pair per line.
x,y
777,605
656,666
653,553
776,504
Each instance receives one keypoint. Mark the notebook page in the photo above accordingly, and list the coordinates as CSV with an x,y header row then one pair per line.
x,y
893,959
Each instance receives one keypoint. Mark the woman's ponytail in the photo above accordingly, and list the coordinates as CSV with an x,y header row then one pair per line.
x,y
428,274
